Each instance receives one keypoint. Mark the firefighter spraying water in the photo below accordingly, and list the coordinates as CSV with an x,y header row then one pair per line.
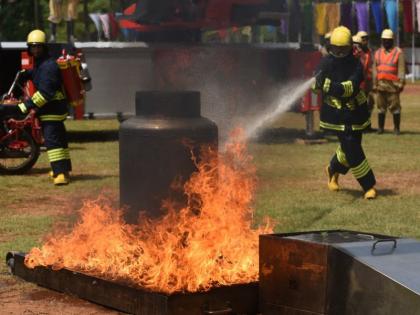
x,y
345,111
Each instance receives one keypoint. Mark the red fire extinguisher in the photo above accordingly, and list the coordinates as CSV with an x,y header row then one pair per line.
x,y
70,72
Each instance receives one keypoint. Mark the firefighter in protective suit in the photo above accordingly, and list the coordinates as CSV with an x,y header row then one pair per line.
x,y
50,104
344,111
388,80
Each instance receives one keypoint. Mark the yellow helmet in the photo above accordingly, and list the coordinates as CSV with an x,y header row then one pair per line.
x,y
357,39
387,34
341,36
36,37
362,34
328,35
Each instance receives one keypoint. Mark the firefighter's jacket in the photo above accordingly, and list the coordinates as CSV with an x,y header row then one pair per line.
x,y
49,99
344,104
395,61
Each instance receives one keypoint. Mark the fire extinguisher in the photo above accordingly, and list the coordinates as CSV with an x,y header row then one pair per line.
x,y
70,72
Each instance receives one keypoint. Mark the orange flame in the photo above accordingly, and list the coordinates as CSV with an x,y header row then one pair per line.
x,y
208,243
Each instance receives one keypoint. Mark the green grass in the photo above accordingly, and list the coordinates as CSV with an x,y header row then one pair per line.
x,y
291,189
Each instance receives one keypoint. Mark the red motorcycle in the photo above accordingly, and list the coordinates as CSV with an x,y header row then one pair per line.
x,y
20,137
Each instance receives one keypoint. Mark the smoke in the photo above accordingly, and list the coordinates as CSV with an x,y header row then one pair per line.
x,y
236,83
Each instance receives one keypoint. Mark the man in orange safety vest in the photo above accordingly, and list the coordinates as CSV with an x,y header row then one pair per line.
x,y
388,79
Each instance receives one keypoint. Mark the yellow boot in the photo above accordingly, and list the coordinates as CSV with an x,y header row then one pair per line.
x,y
370,194
61,179
51,174
332,180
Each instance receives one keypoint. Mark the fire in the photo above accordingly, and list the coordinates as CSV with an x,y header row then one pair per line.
x,y
210,242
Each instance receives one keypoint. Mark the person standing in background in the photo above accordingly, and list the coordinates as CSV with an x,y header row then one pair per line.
x,y
388,75
367,63
56,10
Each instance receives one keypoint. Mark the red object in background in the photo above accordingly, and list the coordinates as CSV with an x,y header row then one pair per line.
x,y
408,16
303,65
114,27
27,63
217,14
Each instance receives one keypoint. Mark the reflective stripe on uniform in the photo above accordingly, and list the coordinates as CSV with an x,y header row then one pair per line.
x,y
348,88
341,156
326,125
361,170
38,99
23,108
53,117
58,96
59,154
337,103
333,102
67,153
327,85
337,127
361,127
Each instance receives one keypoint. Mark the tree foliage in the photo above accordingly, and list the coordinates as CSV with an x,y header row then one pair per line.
x,y
17,17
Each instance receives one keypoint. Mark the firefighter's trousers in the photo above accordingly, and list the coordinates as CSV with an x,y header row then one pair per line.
x,y
55,137
350,156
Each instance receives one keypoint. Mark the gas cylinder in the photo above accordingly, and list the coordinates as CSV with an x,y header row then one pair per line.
x,y
155,149
70,73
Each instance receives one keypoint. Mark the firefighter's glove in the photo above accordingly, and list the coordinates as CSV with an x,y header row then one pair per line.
x,y
347,87
23,108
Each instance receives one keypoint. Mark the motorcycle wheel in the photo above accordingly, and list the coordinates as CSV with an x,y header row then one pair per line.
x,y
18,154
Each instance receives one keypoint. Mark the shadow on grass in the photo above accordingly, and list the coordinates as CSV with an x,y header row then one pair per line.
x,y
92,136
286,135
39,170
82,177
402,133
359,193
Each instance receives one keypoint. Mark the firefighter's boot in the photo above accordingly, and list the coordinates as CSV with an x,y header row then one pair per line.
x,y
53,30
332,180
397,121
381,123
370,194
61,179
51,174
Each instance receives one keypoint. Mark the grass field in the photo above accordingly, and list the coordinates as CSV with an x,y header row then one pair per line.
x,y
292,184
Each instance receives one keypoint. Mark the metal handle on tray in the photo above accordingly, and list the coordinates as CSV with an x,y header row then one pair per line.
x,y
393,240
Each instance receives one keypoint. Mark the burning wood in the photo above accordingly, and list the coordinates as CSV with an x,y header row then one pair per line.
x,y
208,243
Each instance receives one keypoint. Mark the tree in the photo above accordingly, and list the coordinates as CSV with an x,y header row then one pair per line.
x,y
16,19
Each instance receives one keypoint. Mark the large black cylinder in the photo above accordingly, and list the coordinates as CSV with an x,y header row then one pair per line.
x,y
154,150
